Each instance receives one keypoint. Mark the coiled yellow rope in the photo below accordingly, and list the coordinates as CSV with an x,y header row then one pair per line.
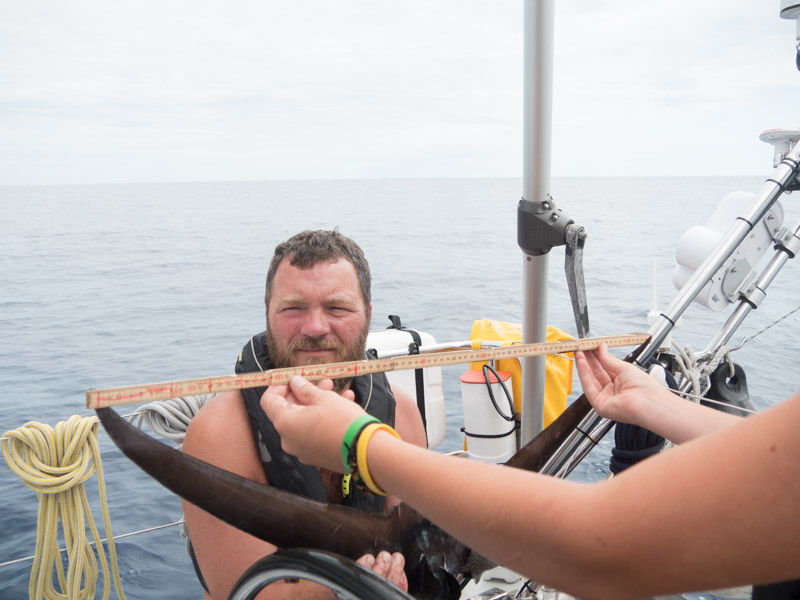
x,y
55,463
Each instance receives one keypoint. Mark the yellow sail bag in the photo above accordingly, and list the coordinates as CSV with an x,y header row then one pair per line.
x,y
558,369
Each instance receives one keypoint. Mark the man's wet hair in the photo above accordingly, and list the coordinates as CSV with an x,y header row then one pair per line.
x,y
309,248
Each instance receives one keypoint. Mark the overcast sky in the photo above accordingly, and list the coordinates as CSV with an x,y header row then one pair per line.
x,y
102,91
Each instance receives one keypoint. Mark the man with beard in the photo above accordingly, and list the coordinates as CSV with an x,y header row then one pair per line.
x,y
318,311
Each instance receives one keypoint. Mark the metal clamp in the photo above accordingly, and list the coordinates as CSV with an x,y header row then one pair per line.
x,y
540,226
788,242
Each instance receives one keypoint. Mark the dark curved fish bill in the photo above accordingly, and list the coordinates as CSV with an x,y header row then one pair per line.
x,y
260,510
273,515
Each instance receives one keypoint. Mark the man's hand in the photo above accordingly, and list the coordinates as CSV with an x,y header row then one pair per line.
x,y
389,566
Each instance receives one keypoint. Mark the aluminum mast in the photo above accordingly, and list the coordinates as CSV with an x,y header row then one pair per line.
x,y
537,133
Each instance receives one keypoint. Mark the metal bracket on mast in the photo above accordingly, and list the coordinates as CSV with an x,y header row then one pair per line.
x,y
541,226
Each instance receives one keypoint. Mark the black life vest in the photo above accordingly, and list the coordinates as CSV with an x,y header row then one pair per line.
x,y
283,470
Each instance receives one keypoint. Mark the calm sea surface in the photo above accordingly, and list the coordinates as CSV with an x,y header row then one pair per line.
x,y
104,286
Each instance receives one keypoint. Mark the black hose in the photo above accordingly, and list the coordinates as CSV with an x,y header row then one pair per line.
x,y
486,369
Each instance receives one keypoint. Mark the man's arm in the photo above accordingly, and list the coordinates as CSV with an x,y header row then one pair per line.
x,y
220,434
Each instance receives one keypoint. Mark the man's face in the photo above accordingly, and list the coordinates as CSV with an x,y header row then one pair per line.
x,y
316,315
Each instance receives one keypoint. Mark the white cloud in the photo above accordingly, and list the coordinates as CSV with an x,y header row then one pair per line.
x,y
674,87
96,91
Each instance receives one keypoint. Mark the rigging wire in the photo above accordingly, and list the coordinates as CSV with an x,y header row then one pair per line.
x,y
696,374
758,333
104,540
711,401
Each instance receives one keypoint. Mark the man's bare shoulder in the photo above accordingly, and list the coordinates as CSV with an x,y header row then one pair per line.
x,y
402,398
221,428
221,412
408,421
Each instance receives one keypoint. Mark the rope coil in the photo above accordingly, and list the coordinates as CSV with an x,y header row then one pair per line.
x,y
170,418
698,374
55,464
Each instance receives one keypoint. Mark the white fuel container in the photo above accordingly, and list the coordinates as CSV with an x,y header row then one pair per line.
x,y
394,342
490,434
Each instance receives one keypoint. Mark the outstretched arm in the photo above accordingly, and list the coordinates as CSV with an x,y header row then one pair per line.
x,y
692,518
220,434
623,392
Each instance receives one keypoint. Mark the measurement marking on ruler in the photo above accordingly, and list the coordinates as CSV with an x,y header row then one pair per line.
x,y
210,385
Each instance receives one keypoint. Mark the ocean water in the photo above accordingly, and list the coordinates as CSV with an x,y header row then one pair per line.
x,y
111,285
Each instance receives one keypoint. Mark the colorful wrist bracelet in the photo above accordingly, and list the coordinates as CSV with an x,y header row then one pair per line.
x,y
361,455
349,441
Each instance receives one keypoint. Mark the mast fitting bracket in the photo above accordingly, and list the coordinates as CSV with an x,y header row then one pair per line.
x,y
540,226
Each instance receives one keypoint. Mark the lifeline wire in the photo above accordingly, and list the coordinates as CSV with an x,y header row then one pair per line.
x,y
758,333
695,373
180,523
55,464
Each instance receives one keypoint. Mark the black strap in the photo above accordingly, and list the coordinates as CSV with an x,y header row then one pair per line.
x,y
490,436
413,348
196,565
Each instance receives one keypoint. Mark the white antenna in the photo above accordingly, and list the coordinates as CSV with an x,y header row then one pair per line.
x,y
654,289
655,313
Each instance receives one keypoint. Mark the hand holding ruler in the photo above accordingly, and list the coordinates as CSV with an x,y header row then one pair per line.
x,y
225,383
